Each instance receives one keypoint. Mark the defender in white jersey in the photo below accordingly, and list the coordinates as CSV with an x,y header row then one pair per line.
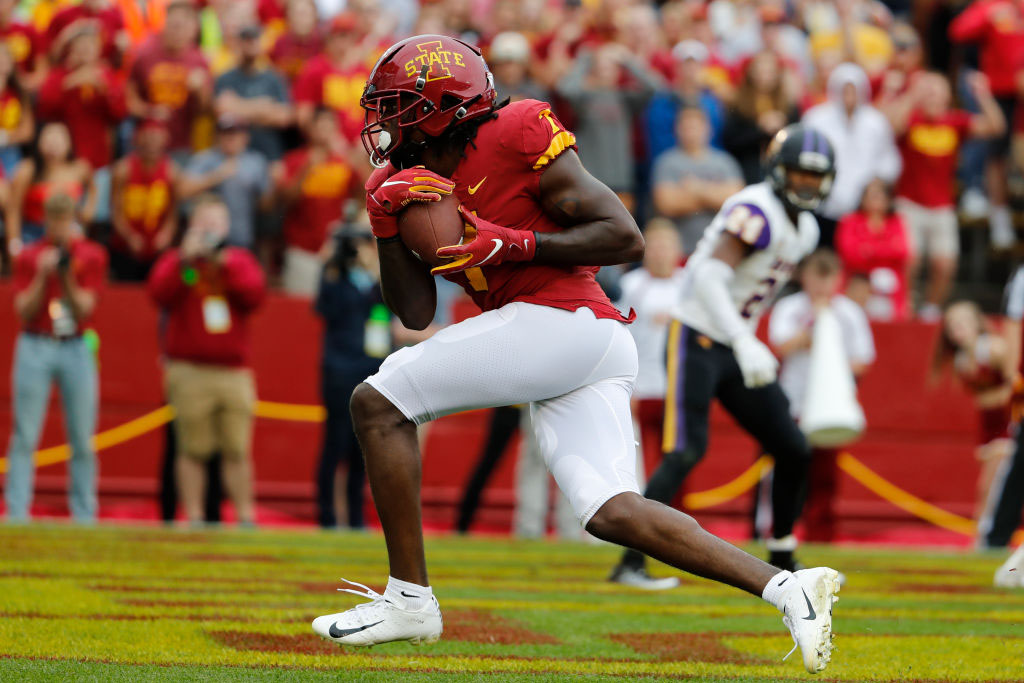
x,y
747,254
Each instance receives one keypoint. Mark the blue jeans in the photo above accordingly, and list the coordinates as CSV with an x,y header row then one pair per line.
x,y
38,362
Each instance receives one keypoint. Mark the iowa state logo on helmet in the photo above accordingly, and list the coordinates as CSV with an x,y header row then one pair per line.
x,y
438,60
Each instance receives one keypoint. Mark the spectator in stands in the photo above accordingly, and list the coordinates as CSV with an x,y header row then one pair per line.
x,y
997,26
237,175
52,169
863,141
170,79
764,105
356,338
335,78
930,134
907,61
255,95
983,363
57,281
509,59
210,291
103,14
605,112
873,242
313,183
691,181
24,44
791,333
652,291
688,85
300,42
87,95
17,124
144,204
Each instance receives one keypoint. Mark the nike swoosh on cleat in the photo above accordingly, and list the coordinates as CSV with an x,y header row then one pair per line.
x,y
811,614
408,595
497,245
784,581
342,632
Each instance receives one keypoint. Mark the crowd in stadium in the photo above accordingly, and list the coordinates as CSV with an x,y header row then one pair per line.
x,y
169,129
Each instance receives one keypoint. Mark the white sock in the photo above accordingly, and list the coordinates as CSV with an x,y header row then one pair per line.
x,y
1001,226
410,596
775,591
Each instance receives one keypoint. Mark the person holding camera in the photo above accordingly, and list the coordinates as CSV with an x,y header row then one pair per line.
x,y
209,291
57,282
357,337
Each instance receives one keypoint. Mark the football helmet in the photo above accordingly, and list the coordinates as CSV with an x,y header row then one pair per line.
x,y
803,148
429,83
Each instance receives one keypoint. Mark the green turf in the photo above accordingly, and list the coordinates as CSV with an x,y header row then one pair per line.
x,y
132,603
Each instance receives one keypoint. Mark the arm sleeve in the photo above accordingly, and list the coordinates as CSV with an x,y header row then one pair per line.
x,y
711,287
243,279
971,25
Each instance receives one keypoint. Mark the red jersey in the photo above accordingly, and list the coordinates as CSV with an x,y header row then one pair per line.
x,y
145,201
998,27
291,52
498,179
161,78
322,195
208,307
110,21
882,256
11,110
23,42
930,148
90,112
325,85
89,269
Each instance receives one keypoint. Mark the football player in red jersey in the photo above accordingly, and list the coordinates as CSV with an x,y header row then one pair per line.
x,y
538,226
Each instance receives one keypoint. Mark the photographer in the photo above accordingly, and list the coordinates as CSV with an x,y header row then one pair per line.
x,y
357,337
57,281
208,291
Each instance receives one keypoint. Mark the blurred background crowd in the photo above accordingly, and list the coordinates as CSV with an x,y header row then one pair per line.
x,y
225,133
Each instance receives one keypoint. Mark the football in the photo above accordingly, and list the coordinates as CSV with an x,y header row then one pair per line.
x,y
425,227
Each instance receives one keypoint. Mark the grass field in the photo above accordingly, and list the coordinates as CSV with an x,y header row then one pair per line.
x,y
130,603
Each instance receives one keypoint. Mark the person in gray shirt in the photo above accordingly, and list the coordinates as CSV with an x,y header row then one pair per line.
x,y
605,111
692,180
239,176
255,95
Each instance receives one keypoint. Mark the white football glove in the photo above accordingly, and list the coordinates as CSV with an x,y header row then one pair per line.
x,y
757,363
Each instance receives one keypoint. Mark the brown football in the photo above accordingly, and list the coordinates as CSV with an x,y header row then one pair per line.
x,y
425,227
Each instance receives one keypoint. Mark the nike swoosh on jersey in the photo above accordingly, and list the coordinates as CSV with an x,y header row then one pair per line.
x,y
497,245
342,632
811,614
474,188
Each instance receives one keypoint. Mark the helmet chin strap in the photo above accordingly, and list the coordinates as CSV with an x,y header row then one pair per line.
x,y
383,142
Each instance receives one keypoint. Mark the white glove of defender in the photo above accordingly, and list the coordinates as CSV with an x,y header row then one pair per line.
x,y
757,363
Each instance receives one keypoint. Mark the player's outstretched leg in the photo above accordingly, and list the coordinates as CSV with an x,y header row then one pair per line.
x,y
407,610
805,597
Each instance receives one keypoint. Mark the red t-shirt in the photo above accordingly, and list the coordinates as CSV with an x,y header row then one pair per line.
x,y
929,148
11,110
146,200
498,179
110,21
208,320
291,52
882,256
23,42
320,203
161,78
998,27
90,113
89,269
323,84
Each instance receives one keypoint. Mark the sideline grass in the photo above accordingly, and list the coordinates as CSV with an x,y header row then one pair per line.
x,y
131,603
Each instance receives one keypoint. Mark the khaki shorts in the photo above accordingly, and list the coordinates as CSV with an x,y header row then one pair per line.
x,y
213,407
300,272
933,232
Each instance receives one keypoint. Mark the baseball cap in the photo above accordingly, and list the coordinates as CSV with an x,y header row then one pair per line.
x,y
509,46
690,49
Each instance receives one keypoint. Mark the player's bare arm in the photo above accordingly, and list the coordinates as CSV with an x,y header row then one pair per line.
x,y
600,230
407,285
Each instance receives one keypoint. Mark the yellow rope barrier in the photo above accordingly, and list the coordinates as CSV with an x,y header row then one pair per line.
x,y
733,489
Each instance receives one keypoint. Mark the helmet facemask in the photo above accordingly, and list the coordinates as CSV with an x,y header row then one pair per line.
x,y
388,114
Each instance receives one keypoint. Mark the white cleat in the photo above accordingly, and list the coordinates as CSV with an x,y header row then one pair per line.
x,y
1011,573
639,578
808,614
381,620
